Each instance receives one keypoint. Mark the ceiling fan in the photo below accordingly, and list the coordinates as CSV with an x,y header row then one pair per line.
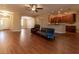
x,y
33,7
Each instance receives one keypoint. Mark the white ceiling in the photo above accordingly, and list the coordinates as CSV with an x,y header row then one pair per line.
x,y
47,8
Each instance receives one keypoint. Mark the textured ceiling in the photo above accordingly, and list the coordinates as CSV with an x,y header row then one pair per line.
x,y
47,8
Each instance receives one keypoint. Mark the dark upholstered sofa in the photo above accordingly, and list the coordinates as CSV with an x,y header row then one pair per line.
x,y
48,33
36,28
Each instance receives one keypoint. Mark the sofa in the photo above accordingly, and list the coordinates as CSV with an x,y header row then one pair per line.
x,y
48,33
36,28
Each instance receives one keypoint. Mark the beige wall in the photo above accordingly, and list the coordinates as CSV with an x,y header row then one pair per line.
x,y
43,21
5,22
77,23
15,22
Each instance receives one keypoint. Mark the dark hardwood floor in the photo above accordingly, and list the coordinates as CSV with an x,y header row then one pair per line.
x,y
26,43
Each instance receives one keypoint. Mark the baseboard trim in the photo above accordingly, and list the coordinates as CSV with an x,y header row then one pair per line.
x,y
60,32
15,30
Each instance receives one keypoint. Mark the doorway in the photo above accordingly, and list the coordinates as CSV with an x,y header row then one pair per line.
x,y
4,23
27,22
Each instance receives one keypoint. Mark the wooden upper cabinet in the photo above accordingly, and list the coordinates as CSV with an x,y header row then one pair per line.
x,y
64,18
71,18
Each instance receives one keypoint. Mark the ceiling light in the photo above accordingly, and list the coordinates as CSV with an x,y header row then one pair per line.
x,y
33,8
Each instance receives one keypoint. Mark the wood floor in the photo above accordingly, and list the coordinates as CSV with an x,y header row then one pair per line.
x,y
26,43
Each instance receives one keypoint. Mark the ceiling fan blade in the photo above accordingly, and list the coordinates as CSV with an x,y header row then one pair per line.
x,y
39,8
27,8
36,10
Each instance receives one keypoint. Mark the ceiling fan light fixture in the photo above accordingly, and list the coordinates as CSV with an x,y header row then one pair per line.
x,y
33,8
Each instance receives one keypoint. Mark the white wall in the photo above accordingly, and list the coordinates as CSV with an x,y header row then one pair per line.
x,y
77,22
43,21
12,22
60,28
15,23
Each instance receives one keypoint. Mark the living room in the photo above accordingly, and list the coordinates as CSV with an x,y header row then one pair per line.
x,y
39,28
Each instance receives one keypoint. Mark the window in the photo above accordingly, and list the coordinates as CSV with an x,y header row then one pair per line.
x,y
21,22
1,22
